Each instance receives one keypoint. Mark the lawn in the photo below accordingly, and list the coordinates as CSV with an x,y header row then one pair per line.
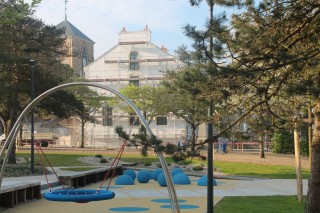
x,y
259,170
261,204
230,168
59,160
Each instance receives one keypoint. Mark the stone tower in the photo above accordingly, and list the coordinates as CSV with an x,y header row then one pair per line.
x,y
79,48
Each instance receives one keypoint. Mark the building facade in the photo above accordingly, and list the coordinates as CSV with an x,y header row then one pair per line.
x,y
134,60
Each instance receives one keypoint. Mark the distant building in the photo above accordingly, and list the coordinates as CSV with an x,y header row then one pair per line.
x,y
80,53
79,47
134,60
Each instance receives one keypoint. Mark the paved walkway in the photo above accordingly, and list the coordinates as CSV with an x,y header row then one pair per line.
x,y
150,197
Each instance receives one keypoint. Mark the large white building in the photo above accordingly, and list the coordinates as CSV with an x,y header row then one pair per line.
x,y
134,60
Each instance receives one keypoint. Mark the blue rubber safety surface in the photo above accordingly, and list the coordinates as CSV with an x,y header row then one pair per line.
x,y
129,209
182,206
79,196
167,200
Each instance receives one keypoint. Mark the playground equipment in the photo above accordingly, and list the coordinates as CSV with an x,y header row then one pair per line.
x,y
143,176
124,180
203,181
14,131
131,173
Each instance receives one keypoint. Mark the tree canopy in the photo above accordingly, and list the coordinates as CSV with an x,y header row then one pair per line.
x,y
29,45
268,58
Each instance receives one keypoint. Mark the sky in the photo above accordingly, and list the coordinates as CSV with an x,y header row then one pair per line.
x,y
102,20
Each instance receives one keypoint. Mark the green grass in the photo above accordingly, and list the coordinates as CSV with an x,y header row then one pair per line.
x,y
258,170
65,159
138,158
263,204
229,168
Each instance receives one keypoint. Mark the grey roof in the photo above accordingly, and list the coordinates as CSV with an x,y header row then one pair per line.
x,y
71,30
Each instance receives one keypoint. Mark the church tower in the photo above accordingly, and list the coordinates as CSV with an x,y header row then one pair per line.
x,y
79,47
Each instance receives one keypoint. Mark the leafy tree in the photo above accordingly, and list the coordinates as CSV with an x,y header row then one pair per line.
x,y
148,99
19,31
273,47
189,57
92,102
184,101
270,52
281,62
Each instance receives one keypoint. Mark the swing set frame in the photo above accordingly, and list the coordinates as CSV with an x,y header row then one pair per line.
x,y
14,131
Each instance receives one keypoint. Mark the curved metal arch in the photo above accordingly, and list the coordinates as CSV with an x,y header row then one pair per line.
x,y
13,133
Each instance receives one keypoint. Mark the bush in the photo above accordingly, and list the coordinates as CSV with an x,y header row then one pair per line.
x,y
147,164
304,146
98,156
103,160
197,168
178,156
44,143
282,142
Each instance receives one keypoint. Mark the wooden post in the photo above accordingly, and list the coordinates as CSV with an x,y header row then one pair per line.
x,y
298,162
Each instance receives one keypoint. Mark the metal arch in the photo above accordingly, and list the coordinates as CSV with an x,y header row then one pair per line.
x,y
14,131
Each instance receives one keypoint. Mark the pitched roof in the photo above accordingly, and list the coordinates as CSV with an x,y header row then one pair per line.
x,y
71,30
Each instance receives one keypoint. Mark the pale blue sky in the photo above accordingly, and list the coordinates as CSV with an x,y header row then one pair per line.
x,y
102,20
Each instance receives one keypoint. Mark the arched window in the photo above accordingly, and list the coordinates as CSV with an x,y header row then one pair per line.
x,y
134,57
84,57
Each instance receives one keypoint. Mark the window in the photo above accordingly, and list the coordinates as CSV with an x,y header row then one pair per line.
x,y
134,119
107,116
162,121
84,57
134,81
134,57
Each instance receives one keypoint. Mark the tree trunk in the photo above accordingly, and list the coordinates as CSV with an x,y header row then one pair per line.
x,y
12,155
298,164
261,146
82,134
193,144
312,203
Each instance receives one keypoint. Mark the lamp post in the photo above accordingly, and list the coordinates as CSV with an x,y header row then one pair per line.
x,y
32,65
210,201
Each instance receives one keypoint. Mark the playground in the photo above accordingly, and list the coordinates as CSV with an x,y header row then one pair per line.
x,y
134,197
151,197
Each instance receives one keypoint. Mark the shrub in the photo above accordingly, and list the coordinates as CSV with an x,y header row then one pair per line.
x,y
159,165
197,168
178,156
98,156
44,143
282,142
103,160
304,146
147,164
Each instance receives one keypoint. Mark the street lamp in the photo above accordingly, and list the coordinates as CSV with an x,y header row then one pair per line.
x,y
210,201
32,65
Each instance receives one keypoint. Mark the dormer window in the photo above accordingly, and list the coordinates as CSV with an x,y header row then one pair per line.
x,y
134,64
